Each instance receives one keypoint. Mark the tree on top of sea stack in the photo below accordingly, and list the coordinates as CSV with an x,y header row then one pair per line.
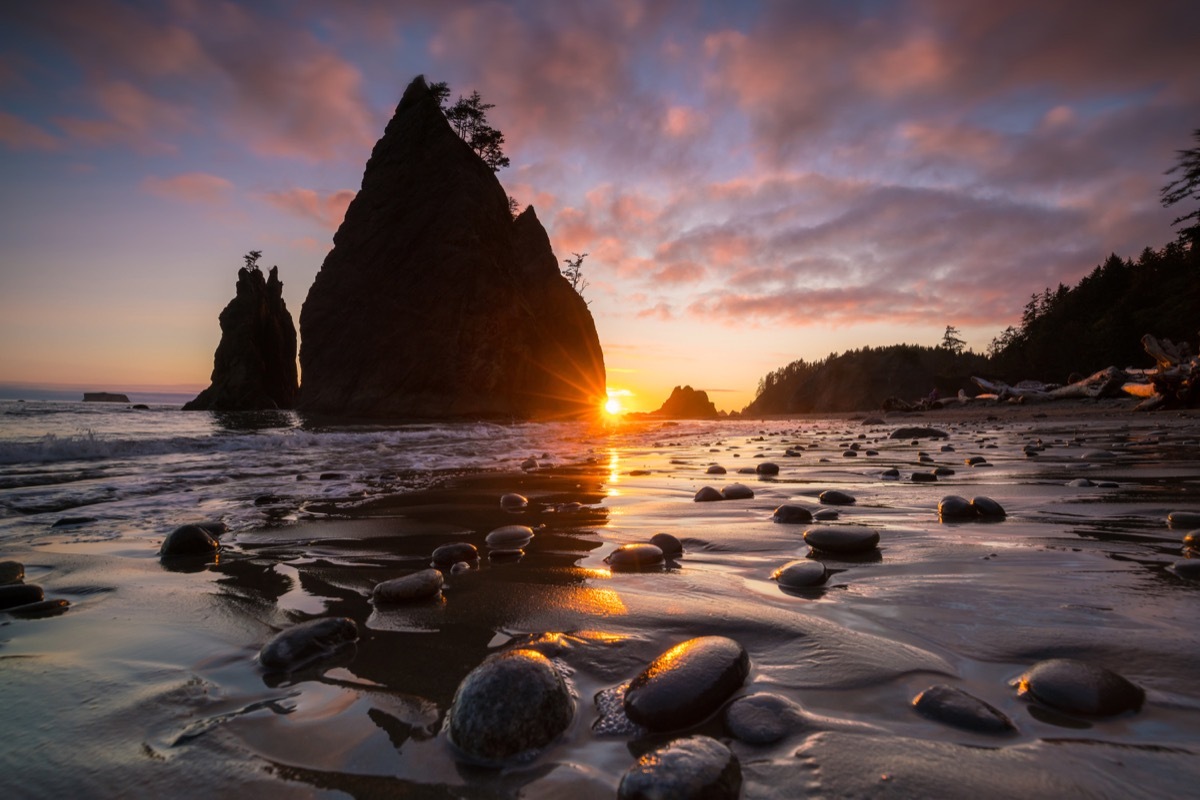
x,y
435,302
254,367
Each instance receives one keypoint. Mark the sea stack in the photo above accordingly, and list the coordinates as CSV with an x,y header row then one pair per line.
x,y
435,302
255,364
687,403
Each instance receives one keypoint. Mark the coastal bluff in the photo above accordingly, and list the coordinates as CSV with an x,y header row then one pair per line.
x,y
254,367
435,302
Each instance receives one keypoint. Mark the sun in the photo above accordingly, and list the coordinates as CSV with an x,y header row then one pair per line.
x,y
612,406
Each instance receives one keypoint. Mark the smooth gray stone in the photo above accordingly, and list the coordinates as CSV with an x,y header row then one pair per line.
x,y
737,491
924,477
1190,539
639,557
513,501
1184,519
698,767
762,718
188,540
20,594
687,683
800,574
954,508
826,515
510,537
40,609
987,508
669,545
953,706
409,588
707,495
715,469
767,468
1188,568
449,554
842,539
306,643
1079,687
792,515
1080,483
833,497
11,572
512,703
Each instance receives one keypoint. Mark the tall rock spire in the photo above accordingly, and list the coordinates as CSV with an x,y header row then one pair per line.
x,y
435,302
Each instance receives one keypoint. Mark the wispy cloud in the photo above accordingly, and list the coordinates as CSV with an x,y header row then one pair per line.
x,y
195,187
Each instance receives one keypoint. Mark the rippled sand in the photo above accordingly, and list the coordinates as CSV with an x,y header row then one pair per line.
x,y
148,686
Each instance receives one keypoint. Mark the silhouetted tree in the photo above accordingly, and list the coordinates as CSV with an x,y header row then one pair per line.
x,y
251,260
951,342
1185,187
468,117
574,272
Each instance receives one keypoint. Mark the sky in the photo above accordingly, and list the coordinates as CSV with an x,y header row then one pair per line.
x,y
752,182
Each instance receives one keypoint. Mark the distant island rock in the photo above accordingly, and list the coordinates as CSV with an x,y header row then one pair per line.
x,y
435,302
255,364
105,397
687,403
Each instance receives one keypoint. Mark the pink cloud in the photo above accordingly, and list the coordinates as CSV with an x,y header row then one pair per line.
x,y
130,116
660,311
326,209
196,187
17,134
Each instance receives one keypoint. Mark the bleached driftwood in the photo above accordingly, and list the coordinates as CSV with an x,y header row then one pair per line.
x,y
1176,381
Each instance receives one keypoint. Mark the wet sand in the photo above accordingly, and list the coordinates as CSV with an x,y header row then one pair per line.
x,y
148,684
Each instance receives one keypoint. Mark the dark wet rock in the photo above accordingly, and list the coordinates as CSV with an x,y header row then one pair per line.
x,y
940,472
1097,455
687,683
832,497
1078,687
850,454
40,609
70,522
800,574
975,461
255,364
11,572
746,470
792,453
762,718
331,476
947,448
873,421
1080,483
924,477
767,468
459,567
953,508
639,557
953,706
1187,568
670,546
892,474
792,515
1184,519
188,540
737,491
826,514
1108,485
842,539
715,469
530,464
19,594
512,703
918,433
707,495
695,767
304,644
409,588
987,508
430,271
687,403
1190,539
513,502
510,537
450,554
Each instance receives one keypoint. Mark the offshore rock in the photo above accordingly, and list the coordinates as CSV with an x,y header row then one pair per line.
x,y
510,704
435,302
255,364
687,403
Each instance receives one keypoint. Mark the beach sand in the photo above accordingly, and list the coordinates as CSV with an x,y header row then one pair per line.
x,y
149,685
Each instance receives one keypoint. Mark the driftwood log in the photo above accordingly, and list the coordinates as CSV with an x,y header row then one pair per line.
x,y
1175,382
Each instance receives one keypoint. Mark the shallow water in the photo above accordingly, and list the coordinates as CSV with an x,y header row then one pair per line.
x,y
148,684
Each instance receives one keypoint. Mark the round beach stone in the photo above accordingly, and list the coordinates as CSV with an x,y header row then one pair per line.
x,y
953,706
737,491
687,683
695,767
450,554
1080,483
307,642
40,609
953,508
530,464
800,574
20,594
513,501
762,718
987,508
510,537
188,540
924,477
11,572
826,514
409,588
1184,519
832,497
707,495
891,474
1190,539
767,468
792,515
715,469
939,472
639,557
1079,687
846,539
512,703
1188,568
975,461
669,545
